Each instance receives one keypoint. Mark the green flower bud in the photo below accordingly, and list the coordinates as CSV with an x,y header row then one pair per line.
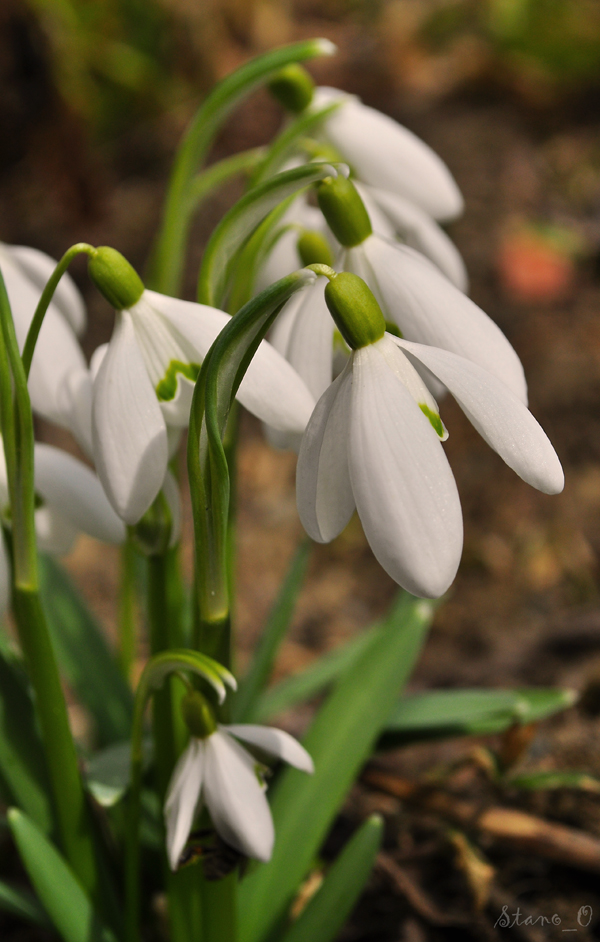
x,y
198,716
344,211
355,310
314,249
115,278
293,88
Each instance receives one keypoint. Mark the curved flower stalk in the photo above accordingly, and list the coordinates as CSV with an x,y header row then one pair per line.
x,y
217,772
374,443
57,352
70,501
145,382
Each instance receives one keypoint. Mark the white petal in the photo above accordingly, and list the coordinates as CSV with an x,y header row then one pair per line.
x,y
430,310
129,432
274,741
420,232
4,578
97,359
310,346
183,797
69,487
38,267
323,489
53,532
405,493
499,417
235,799
387,155
74,403
279,335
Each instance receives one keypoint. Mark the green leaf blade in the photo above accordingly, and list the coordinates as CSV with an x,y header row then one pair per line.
x,y
327,911
23,904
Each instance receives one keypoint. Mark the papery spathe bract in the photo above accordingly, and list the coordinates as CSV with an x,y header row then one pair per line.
x,y
219,773
374,443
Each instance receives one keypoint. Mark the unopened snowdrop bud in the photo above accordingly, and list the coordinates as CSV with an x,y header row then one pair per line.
x,y
314,249
293,88
198,715
115,278
355,310
344,211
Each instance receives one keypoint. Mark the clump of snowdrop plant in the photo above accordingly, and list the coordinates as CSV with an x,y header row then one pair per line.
x,y
361,296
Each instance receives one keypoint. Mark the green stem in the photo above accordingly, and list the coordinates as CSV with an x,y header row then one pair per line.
x,y
132,846
46,298
219,908
61,757
127,619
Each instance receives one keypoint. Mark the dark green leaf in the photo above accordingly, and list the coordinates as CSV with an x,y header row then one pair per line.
x,y
327,911
544,781
22,763
440,714
249,689
83,654
57,887
340,740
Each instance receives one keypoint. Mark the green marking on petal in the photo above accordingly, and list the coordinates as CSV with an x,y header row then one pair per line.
x,y
167,387
434,418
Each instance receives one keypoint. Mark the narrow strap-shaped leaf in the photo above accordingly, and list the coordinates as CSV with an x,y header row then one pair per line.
x,y
250,687
83,654
59,891
339,741
21,753
250,258
327,911
440,714
546,781
194,148
241,220
314,679
22,903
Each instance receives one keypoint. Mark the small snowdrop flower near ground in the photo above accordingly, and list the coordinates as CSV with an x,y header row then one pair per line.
x,y
216,772
412,292
145,383
374,443
70,501
25,272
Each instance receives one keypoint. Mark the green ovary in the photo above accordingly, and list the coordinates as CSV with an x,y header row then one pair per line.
x,y
167,387
433,418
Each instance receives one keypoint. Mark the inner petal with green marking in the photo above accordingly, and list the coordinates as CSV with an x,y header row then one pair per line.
x,y
166,388
435,420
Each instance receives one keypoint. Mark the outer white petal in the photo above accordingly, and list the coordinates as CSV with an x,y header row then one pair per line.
x,y
405,493
69,487
279,335
54,533
183,798
387,155
323,489
310,346
420,232
499,417
38,267
4,578
129,432
274,741
74,403
235,799
430,310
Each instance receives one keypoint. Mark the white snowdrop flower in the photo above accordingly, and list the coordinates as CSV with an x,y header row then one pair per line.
x,y
146,379
284,258
216,772
413,293
386,155
70,501
374,443
25,272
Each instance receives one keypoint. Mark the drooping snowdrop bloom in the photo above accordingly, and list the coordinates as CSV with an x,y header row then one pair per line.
x,y
412,292
146,380
374,443
70,501
216,772
25,272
